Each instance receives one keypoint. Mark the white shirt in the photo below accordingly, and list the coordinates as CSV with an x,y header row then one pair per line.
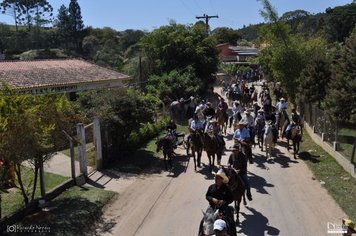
x,y
249,120
282,106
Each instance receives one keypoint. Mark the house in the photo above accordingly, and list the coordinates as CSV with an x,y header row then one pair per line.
x,y
58,76
236,54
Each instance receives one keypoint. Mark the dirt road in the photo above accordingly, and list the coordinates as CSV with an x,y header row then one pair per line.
x,y
286,200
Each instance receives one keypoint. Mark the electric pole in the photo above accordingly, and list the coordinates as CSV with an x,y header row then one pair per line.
x,y
207,18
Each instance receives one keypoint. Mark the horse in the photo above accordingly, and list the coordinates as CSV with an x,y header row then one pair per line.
x,y
268,140
166,143
222,119
212,147
195,143
238,190
296,137
206,226
281,121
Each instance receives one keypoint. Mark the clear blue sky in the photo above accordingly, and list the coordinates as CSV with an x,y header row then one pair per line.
x,y
150,14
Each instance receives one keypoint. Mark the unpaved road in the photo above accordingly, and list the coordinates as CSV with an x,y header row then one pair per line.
x,y
286,200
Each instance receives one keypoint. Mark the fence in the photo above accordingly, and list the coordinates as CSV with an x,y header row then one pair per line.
x,y
341,137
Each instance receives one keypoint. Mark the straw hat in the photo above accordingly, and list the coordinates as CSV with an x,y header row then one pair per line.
x,y
222,174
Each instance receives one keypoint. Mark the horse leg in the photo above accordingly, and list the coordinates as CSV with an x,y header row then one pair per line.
x,y
195,162
244,197
165,161
170,161
237,210
287,144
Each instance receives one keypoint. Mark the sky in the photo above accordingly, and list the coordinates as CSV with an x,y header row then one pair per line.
x,y
148,15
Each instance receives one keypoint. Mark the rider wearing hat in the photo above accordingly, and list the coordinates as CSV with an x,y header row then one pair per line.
x,y
209,110
219,197
295,120
238,162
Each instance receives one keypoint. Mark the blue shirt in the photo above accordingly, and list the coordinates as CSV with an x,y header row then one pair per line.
x,y
241,135
197,125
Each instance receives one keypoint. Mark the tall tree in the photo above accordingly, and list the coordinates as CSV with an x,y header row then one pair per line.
x,y
341,97
29,12
226,35
63,25
76,23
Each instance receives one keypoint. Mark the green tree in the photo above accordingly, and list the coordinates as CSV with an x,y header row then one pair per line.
x,y
62,25
29,11
226,35
341,96
340,21
76,24
314,79
175,47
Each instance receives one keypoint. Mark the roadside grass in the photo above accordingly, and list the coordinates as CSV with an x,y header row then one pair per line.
x,y
340,184
90,153
346,139
74,212
12,200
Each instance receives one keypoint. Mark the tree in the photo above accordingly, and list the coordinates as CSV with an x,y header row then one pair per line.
x,y
29,11
76,25
341,95
63,25
340,21
226,35
314,79
175,47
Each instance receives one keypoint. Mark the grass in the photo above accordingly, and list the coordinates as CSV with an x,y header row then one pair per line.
x,y
74,212
13,200
340,184
347,138
90,153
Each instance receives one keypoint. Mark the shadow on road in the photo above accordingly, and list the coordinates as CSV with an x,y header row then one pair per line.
x,y
307,156
180,165
259,183
256,224
283,160
205,170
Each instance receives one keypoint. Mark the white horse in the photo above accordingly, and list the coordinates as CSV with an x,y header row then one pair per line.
x,y
268,140
206,226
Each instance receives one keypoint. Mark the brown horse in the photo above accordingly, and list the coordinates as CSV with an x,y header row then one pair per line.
x,y
166,143
195,143
237,187
211,146
296,137
222,119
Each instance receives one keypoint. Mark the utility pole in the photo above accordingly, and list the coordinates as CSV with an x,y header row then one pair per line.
x,y
206,17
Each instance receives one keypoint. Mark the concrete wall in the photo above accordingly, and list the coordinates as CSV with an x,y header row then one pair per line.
x,y
346,164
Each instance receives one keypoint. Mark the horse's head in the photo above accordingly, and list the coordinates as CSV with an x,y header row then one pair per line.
x,y
208,220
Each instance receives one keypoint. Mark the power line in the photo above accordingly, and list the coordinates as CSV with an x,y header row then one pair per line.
x,y
207,18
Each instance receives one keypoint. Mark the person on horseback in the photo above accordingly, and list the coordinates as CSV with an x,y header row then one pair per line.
x,y
209,110
171,130
219,197
220,228
242,136
249,120
238,162
214,128
282,106
295,120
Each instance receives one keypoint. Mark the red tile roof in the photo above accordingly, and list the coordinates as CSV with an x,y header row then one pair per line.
x,y
44,73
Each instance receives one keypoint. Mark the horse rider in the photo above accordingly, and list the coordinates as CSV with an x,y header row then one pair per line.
x,y
191,107
295,120
219,197
199,109
282,106
256,108
172,130
242,136
209,111
222,107
250,121
236,112
214,128
238,162
220,228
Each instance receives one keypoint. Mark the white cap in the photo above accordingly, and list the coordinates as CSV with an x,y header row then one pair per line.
x,y
220,225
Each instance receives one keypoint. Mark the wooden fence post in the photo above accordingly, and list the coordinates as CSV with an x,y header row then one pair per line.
x,y
82,149
97,142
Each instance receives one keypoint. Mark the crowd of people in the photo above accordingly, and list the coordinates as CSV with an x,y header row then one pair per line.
x,y
246,122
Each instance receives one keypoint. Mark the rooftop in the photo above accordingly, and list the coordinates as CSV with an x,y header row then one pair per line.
x,y
52,73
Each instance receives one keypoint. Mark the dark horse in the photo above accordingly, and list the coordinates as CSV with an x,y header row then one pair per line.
x,y
166,143
295,136
212,147
195,143
223,120
259,133
238,190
